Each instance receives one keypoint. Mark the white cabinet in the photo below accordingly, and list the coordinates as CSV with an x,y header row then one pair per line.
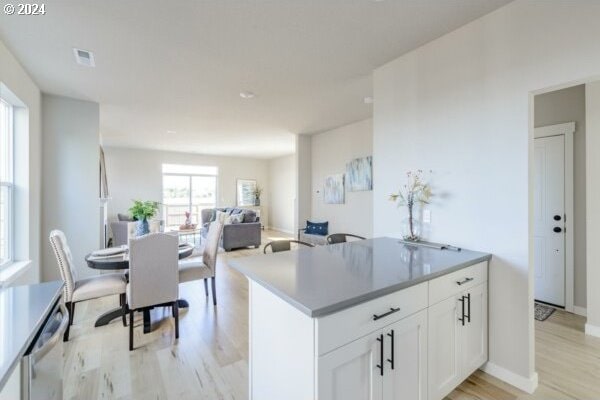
x,y
408,378
474,335
388,364
458,344
444,343
351,372
410,344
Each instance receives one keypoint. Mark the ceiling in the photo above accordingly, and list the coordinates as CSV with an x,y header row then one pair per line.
x,y
180,66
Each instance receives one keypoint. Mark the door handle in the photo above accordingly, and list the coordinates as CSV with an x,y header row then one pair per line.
x,y
557,229
468,308
392,310
466,280
391,360
462,319
380,365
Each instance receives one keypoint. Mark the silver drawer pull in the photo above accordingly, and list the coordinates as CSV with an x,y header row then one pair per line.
x,y
392,310
466,280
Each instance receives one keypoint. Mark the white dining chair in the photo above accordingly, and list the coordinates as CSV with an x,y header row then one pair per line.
x,y
153,277
77,290
204,268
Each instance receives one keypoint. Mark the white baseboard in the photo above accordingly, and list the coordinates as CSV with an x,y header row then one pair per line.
x,y
580,311
525,384
274,228
592,330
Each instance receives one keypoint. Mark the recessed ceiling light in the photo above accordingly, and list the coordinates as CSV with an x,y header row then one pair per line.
x,y
171,132
247,95
368,100
84,57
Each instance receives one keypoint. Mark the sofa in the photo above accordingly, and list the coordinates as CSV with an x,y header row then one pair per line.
x,y
235,235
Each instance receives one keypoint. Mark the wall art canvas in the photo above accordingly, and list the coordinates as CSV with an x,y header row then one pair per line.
x,y
359,174
333,190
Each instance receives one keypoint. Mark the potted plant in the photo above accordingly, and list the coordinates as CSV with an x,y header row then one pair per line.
x,y
142,211
415,191
257,192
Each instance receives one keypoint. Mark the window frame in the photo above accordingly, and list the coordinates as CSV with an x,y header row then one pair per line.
x,y
190,177
10,185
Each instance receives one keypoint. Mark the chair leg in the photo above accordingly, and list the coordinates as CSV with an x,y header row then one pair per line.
x,y
123,301
130,330
176,316
214,290
71,310
206,286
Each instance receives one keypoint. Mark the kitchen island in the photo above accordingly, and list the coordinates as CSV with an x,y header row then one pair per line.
x,y
372,319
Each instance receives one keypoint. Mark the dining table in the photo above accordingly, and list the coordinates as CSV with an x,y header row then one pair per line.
x,y
120,262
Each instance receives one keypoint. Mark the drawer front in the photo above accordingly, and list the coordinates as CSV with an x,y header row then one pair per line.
x,y
338,329
449,285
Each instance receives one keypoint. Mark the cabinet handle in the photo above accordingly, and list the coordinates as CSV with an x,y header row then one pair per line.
x,y
392,310
469,307
380,365
391,360
466,280
462,319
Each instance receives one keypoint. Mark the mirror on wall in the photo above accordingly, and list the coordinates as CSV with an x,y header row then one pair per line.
x,y
246,189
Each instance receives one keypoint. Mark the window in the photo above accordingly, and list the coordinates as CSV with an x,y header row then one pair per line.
x,y
187,188
6,182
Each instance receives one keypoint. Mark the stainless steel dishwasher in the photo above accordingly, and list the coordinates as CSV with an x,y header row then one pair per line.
x,y
42,367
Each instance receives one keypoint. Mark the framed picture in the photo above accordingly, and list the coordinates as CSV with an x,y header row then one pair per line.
x,y
333,190
245,192
359,173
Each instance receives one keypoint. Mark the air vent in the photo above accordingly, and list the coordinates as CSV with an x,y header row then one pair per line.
x,y
84,57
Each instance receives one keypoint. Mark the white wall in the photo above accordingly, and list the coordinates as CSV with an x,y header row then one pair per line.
x,y
28,172
282,185
331,151
71,175
303,180
557,107
461,106
137,174
592,98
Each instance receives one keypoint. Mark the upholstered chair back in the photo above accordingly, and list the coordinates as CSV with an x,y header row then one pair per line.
x,y
64,258
211,247
153,270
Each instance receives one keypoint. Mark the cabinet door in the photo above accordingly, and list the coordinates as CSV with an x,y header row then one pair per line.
x,y
406,346
350,372
474,335
444,372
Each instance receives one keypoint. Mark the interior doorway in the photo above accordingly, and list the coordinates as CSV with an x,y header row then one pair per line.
x,y
553,215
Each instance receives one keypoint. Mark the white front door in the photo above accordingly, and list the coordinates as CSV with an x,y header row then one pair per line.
x,y
549,224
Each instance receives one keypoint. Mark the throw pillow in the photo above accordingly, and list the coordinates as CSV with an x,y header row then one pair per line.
x,y
317,228
220,216
249,216
236,218
213,215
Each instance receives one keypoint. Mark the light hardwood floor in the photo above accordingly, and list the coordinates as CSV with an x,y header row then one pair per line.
x,y
210,359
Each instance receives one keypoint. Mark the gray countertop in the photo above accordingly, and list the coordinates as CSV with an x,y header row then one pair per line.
x,y
325,279
23,310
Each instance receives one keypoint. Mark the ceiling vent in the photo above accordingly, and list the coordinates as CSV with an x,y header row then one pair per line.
x,y
84,57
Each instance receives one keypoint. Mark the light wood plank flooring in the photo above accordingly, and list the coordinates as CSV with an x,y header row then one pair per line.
x,y
210,360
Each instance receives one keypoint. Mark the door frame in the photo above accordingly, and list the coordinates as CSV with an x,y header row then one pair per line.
x,y
567,130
